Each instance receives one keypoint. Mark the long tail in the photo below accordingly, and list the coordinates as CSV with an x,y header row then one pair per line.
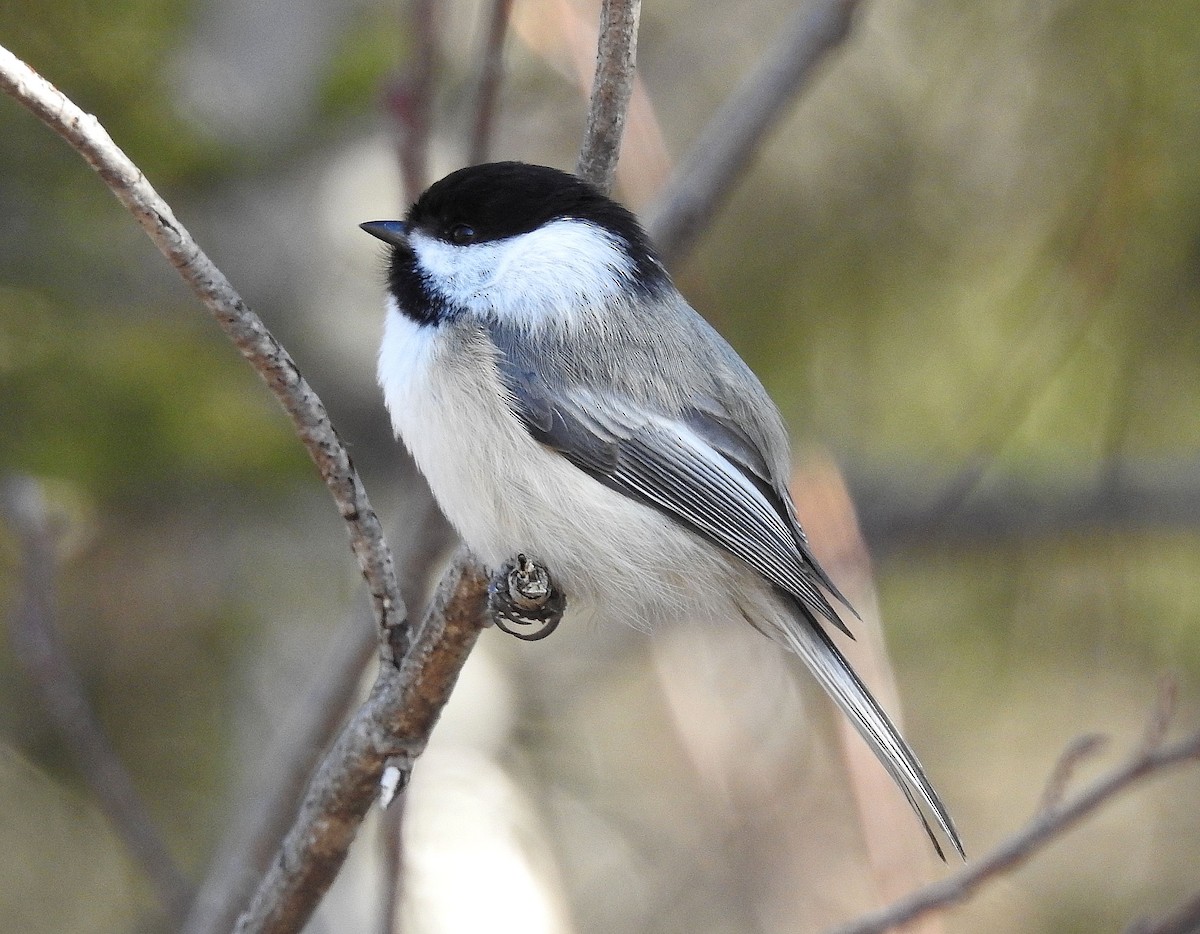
x,y
808,640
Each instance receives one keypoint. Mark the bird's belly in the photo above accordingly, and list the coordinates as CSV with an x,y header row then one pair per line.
x,y
506,494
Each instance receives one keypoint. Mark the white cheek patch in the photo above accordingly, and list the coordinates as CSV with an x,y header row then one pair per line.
x,y
561,273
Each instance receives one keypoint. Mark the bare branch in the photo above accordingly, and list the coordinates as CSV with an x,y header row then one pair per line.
x,y
309,419
424,667
394,723
1078,749
262,820
41,653
491,69
565,39
725,147
616,58
1046,826
409,98
898,511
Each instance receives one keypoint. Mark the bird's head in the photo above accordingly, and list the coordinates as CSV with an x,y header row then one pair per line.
x,y
524,244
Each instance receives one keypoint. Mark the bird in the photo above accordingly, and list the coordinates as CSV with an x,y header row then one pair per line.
x,y
564,401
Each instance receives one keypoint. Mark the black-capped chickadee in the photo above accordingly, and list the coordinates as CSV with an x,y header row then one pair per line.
x,y
564,401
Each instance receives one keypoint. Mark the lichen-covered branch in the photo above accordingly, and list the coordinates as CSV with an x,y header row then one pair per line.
x,y
261,821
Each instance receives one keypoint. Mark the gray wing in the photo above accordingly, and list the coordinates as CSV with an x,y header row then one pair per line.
x,y
739,449
707,473
700,470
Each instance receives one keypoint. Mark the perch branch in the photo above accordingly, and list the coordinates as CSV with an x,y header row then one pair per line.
x,y
1148,759
417,671
41,653
393,724
616,58
273,363
726,145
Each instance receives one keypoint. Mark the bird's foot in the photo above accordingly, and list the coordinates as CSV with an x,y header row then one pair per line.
x,y
521,593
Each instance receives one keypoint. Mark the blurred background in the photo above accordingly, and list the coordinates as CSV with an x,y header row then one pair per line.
x,y
965,265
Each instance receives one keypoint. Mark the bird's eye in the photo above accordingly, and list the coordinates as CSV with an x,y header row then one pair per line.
x,y
461,234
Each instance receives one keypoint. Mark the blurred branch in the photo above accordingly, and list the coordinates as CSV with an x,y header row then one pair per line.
x,y
1185,919
725,147
273,363
410,99
42,655
896,510
491,69
616,58
261,820
393,724
1149,758
1079,749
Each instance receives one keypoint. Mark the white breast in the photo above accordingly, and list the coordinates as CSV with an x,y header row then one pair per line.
x,y
507,494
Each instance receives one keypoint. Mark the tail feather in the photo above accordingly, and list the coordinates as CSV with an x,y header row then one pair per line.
x,y
814,646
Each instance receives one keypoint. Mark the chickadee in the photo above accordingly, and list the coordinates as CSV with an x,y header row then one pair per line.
x,y
564,401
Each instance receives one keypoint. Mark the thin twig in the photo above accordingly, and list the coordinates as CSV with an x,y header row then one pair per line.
x,y
40,651
309,419
394,723
262,819
1047,825
560,33
410,98
1164,710
1077,750
491,70
616,58
725,147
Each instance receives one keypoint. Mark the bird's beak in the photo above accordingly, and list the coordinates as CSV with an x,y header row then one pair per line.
x,y
393,232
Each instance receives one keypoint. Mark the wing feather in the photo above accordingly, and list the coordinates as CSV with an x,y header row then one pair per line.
x,y
668,465
705,472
